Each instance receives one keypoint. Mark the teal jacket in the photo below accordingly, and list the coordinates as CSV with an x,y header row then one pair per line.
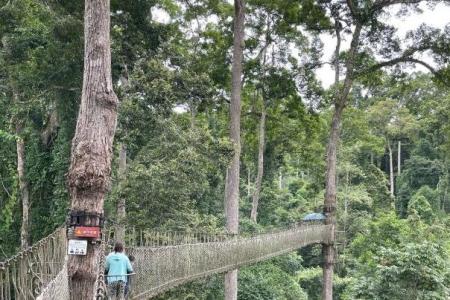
x,y
118,266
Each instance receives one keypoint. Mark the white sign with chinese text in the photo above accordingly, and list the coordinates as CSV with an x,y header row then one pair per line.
x,y
77,247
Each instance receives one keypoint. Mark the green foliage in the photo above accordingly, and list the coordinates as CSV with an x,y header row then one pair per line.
x,y
391,263
432,196
413,271
418,171
310,280
376,184
210,288
177,160
176,172
420,206
268,281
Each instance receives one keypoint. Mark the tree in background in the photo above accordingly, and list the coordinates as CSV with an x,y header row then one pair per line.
x,y
362,21
394,123
232,177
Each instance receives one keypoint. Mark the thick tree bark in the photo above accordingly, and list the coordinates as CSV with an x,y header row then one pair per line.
x,y
330,177
121,203
24,190
232,185
391,169
259,176
90,166
330,202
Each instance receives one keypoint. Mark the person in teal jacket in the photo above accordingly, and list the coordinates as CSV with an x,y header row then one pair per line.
x,y
117,267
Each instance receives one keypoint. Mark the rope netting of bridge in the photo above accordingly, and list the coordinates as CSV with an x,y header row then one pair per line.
x,y
24,275
161,268
162,260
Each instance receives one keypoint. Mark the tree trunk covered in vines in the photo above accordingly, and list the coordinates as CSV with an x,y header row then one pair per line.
x,y
90,165
259,176
24,189
329,208
121,203
24,192
232,185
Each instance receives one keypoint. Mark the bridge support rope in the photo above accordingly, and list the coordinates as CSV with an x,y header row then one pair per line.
x,y
159,269
40,272
24,275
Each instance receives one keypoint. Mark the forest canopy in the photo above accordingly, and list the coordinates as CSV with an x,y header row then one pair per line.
x,y
371,150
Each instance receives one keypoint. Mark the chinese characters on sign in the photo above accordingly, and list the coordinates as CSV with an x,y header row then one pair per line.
x,y
77,247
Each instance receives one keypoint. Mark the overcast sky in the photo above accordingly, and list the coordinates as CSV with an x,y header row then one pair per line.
x,y
436,17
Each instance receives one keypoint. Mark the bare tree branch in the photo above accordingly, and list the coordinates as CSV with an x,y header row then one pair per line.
x,y
4,187
378,5
337,50
392,62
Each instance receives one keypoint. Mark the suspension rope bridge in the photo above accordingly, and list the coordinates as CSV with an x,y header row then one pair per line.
x,y
162,260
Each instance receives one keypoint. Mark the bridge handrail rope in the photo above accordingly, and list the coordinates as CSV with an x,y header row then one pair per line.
x,y
101,289
42,269
23,275
161,268
138,237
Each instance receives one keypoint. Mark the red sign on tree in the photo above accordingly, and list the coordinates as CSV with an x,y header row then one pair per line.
x,y
89,232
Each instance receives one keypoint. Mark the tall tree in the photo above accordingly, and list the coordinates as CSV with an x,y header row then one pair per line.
x,y
362,21
24,29
262,135
23,185
121,203
90,165
232,178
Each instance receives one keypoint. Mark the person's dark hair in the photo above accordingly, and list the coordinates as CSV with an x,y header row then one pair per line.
x,y
118,247
131,258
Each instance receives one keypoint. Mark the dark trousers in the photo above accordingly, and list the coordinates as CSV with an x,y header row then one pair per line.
x,y
116,290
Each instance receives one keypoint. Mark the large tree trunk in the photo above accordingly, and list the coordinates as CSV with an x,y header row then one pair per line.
x,y
330,177
121,203
90,166
330,202
259,176
24,191
391,169
232,186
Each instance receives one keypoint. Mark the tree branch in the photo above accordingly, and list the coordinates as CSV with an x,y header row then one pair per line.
x,y
392,62
378,5
337,50
353,10
349,65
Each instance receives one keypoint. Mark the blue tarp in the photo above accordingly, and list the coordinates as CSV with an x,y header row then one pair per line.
x,y
314,217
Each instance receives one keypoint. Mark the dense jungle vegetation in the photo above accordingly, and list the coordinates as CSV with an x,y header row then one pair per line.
x,y
172,145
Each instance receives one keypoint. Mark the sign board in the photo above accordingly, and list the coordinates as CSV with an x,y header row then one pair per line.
x,y
77,247
87,232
